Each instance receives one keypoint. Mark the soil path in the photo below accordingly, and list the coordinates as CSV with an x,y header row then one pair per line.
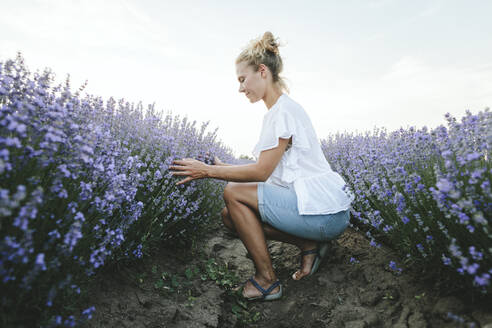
x,y
340,294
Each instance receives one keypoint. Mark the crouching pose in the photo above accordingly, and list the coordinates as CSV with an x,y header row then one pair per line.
x,y
290,193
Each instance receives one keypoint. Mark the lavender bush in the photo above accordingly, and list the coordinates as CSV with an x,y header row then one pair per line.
x,y
85,183
427,193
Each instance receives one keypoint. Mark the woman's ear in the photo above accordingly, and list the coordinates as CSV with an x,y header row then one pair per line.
x,y
262,69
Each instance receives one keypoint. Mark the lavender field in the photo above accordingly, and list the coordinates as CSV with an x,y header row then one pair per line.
x,y
425,192
84,182
84,185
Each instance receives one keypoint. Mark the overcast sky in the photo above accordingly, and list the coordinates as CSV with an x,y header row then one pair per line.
x,y
352,65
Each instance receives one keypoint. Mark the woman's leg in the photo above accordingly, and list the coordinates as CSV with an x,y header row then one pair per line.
x,y
242,204
273,234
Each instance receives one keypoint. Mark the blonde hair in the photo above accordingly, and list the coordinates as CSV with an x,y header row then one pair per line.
x,y
264,51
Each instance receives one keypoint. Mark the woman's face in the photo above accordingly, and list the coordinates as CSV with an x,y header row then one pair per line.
x,y
250,82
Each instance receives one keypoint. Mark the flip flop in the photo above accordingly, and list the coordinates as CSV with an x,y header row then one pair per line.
x,y
266,296
320,252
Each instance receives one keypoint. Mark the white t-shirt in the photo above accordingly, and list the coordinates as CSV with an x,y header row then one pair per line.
x,y
303,166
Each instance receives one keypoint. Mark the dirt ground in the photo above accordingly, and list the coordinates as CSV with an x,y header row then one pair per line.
x,y
190,288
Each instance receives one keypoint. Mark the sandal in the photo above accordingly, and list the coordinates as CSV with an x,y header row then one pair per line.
x,y
320,252
266,296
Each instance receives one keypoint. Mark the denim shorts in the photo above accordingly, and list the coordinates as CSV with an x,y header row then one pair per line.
x,y
278,207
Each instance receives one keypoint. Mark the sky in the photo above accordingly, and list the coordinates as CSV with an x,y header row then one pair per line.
x,y
352,65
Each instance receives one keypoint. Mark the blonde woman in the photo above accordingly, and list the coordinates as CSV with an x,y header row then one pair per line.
x,y
290,193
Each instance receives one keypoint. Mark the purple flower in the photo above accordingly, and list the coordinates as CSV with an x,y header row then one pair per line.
x,y
17,127
473,156
88,312
77,288
472,269
392,265
387,228
70,321
476,255
374,244
40,261
73,235
455,250
483,280
447,153
353,260
444,185
463,218
455,318
138,252
446,260
64,170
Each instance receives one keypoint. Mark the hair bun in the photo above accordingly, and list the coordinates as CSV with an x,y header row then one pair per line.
x,y
266,43
269,43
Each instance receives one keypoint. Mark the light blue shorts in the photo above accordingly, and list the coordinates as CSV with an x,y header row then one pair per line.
x,y
278,207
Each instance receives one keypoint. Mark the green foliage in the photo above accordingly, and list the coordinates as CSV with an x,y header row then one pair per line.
x,y
220,274
208,269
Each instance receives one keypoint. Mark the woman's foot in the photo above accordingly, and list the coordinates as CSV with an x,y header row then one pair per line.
x,y
307,261
250,291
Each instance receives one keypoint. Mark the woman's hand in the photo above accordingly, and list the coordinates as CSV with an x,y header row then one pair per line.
x,y
190,167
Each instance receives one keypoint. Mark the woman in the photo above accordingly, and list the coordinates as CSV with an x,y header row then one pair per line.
x,y
290,193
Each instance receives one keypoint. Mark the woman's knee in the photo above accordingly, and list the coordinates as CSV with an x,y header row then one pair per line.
x,y
230,191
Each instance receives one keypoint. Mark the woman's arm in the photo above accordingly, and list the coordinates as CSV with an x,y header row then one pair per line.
x,y
255,172
237,173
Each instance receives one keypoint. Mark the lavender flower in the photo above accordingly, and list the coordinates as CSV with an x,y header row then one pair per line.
x,y
393,267
353,260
